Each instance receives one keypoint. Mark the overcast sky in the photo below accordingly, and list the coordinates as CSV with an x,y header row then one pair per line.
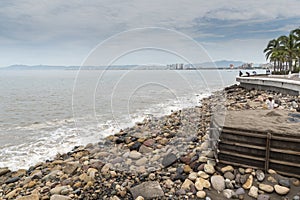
x,y
56,32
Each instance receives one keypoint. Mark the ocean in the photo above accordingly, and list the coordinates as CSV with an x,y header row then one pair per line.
x,y
45,112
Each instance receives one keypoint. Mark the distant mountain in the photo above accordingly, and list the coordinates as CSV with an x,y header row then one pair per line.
x,y
204,65
218,64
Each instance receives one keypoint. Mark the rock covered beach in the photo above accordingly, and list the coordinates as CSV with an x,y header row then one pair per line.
x,y
159,158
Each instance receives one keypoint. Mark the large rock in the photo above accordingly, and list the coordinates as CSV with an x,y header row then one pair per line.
x,y
281,190
218,182
148,190
169,159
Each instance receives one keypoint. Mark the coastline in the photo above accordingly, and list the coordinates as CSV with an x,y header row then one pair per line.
x,y
170,152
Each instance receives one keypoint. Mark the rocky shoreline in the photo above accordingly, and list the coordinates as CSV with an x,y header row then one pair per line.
x,y
159,158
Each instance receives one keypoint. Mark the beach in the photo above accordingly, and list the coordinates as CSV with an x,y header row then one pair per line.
x,y
166,157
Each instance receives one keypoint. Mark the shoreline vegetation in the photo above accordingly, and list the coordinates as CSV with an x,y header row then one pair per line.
x,y
159,158
284,52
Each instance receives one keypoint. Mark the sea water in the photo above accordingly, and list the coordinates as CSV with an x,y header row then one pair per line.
x,y
43,112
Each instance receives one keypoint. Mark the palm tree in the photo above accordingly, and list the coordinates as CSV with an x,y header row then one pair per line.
x,y
271,51
284,51
296,34
288,44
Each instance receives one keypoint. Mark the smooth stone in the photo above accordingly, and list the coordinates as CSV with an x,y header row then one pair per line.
x,y
139,198
70,168
198,185
271,171
148,190
253,192
12,180
29,197
281,190
149,142
193,176
218,182
297,197
241,170
105,169
141,161
202,174
229,175
296,182
284,182
202,159
144,149
205,183
209,169
228,168
169,159
240,191
58,189
169,183
248,183
229,184
271,179
13,193
263,197
59,197
266,188
228,193
4,170
260,175
186,185
136,146
187,169
201,194
135,155
92,173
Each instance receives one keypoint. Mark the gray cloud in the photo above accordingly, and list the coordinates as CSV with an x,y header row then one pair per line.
x,y
56,25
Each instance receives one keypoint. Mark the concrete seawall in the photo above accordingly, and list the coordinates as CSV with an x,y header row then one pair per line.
x,y
285,86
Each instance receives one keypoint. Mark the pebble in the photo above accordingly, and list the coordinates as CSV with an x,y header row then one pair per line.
x,y
263,197
260,175
253,192
202,174
228,193
281,190
218,182
201,194
29,197
266,188
187,184
135,155
148,190
169,159
228,168
247,185
193,176
59,197
209,169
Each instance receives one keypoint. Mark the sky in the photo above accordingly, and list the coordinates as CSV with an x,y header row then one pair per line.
x,y
71,32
